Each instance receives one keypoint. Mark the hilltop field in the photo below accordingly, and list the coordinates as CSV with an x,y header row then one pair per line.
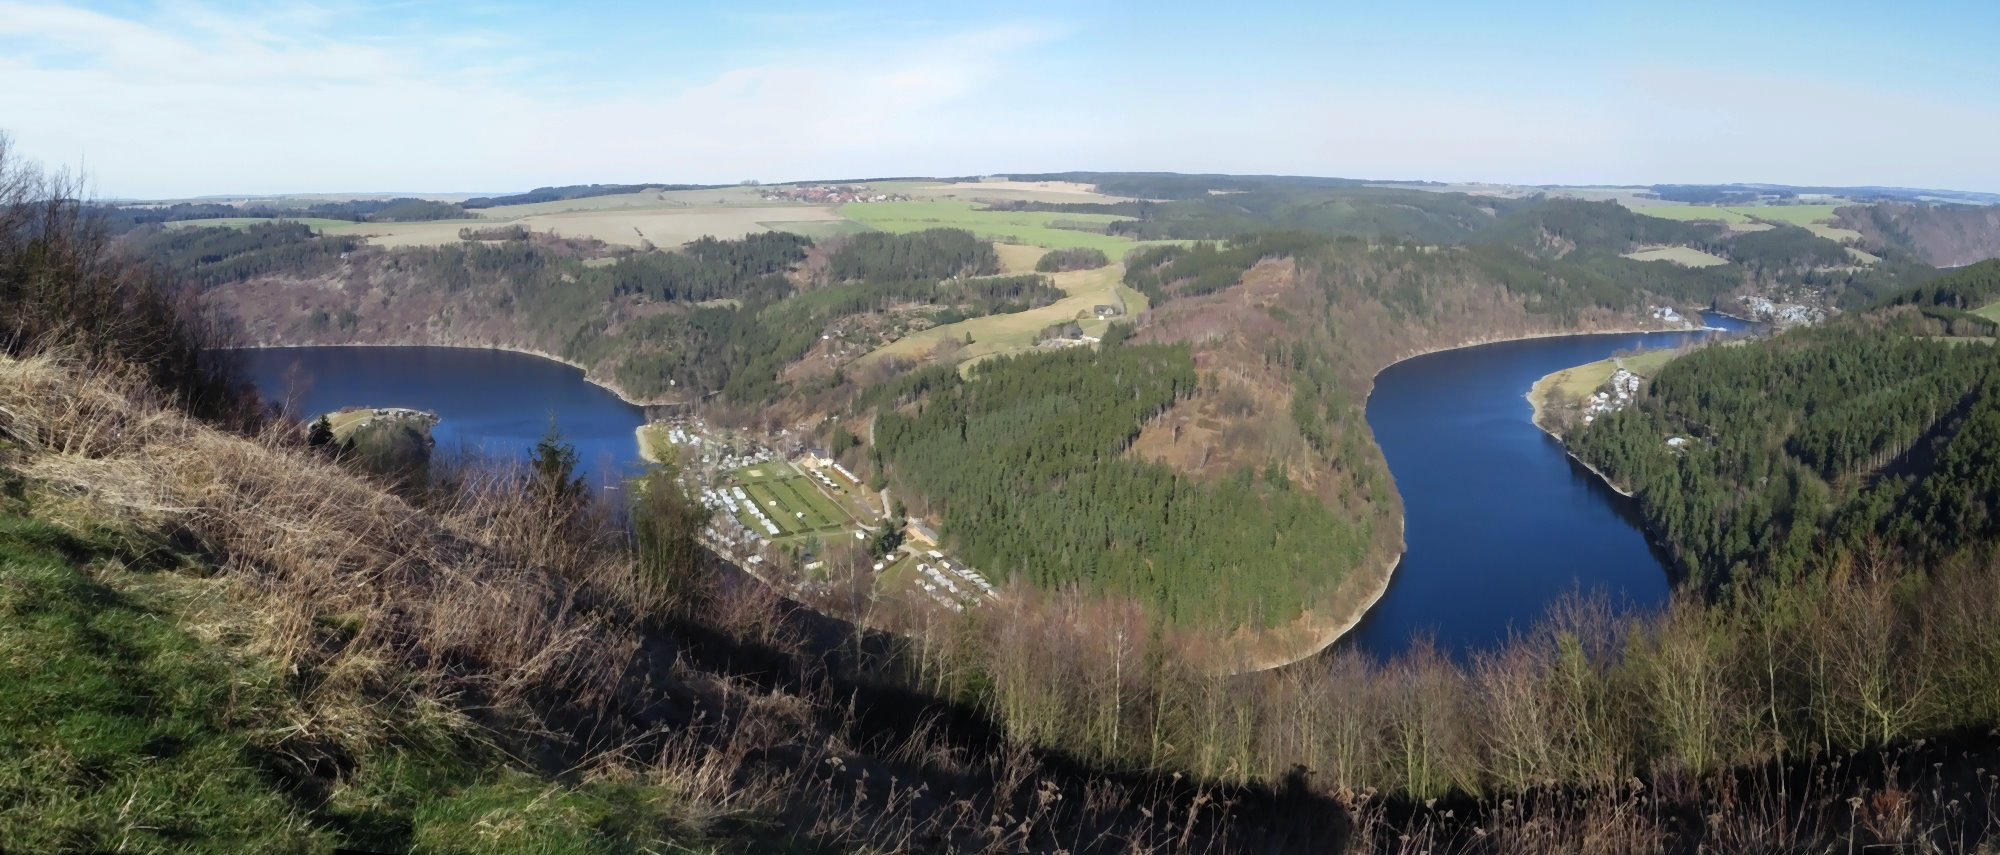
x,y
669,218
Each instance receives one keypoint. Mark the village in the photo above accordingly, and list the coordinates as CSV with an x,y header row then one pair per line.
x,y
830,194
796,518
1781,314
1617,394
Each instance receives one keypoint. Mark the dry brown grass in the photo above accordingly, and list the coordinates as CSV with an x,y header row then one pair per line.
x,y
441,598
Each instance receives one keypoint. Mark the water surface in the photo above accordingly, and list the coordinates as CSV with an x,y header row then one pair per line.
x,y
1500,522
491,402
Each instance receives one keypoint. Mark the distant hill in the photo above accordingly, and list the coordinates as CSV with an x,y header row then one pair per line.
x,y
1943,235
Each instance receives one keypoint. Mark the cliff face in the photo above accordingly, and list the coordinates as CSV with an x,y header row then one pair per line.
x,y
1943,236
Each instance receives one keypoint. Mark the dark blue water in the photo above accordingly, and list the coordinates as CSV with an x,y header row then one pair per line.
x,y
1500,522
491,402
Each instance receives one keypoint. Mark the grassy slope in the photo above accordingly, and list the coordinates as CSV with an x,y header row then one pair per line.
x,y
996,334
133,716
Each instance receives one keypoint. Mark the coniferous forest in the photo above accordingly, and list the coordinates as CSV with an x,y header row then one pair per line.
x,y
1871,435
1024,461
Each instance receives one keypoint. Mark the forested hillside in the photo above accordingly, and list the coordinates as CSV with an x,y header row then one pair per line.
x,y
1942,235
1824,445
1024,461
1213,207
1778,260
717,317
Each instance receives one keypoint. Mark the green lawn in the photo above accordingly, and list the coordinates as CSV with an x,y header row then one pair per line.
x,y
825,507
794,495
1025,227
762,494
794,502
897,573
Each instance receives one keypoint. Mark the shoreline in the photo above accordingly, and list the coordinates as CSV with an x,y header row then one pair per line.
x,y
1395,562
606,386
1535,403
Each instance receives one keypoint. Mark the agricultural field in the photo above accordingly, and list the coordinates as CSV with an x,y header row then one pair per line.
x,y
1681,255
669,218
1019,227
1689,213
818,230
671,227
1817,219
997,334
1024,191
720,196
666,219
1797,215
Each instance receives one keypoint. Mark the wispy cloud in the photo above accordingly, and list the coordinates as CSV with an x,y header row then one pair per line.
x,y
217,103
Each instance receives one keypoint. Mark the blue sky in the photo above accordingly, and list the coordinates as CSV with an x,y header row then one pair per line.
x,y
160,99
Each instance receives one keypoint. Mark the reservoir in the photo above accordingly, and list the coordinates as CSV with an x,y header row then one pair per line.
x,y
491,402
1500,522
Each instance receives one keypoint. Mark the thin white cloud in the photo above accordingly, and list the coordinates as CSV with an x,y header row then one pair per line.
x,y
219,105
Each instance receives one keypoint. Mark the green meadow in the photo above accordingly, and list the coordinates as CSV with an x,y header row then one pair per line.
x,y
1026,227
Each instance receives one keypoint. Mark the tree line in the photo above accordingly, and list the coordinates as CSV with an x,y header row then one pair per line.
x,y
1071,258
217,254
927,254
120,219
